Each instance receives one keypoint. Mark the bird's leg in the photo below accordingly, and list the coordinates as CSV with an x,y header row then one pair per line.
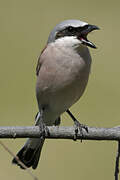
x,y
39,122
57,121
78,125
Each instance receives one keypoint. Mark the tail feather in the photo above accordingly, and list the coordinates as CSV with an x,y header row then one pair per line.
x,y
30,157
36,159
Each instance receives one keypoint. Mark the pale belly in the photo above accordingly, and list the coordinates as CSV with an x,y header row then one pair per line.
x,y
61,93
61,82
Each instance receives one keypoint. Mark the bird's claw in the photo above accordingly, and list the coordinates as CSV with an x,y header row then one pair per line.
x,y
43,129
79,127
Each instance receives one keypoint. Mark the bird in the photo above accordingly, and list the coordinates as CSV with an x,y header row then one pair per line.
x,y
62,72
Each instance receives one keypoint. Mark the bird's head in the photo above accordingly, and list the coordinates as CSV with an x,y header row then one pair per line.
x,y
72,31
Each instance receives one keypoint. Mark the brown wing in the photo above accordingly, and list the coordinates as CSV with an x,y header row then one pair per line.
x,y
38,66
39,63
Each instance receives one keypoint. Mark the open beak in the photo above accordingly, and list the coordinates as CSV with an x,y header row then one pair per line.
x,y
83,35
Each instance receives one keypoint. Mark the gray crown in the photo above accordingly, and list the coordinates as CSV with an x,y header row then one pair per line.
x,y
63,25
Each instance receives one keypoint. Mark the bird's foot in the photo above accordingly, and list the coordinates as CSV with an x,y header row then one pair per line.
x,y
39,122
43,129
79,127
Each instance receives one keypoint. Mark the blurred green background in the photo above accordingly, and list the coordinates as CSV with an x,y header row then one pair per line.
x,y
24,29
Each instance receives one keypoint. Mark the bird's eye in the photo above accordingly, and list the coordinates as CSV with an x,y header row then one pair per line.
x,y
70,29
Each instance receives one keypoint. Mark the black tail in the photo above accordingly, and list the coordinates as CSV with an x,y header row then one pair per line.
x,y
28,156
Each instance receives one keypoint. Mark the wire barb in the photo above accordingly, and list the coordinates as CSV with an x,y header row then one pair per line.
x,y
117,162
18,160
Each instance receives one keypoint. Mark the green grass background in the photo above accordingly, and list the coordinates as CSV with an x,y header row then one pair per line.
x,y
24,29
